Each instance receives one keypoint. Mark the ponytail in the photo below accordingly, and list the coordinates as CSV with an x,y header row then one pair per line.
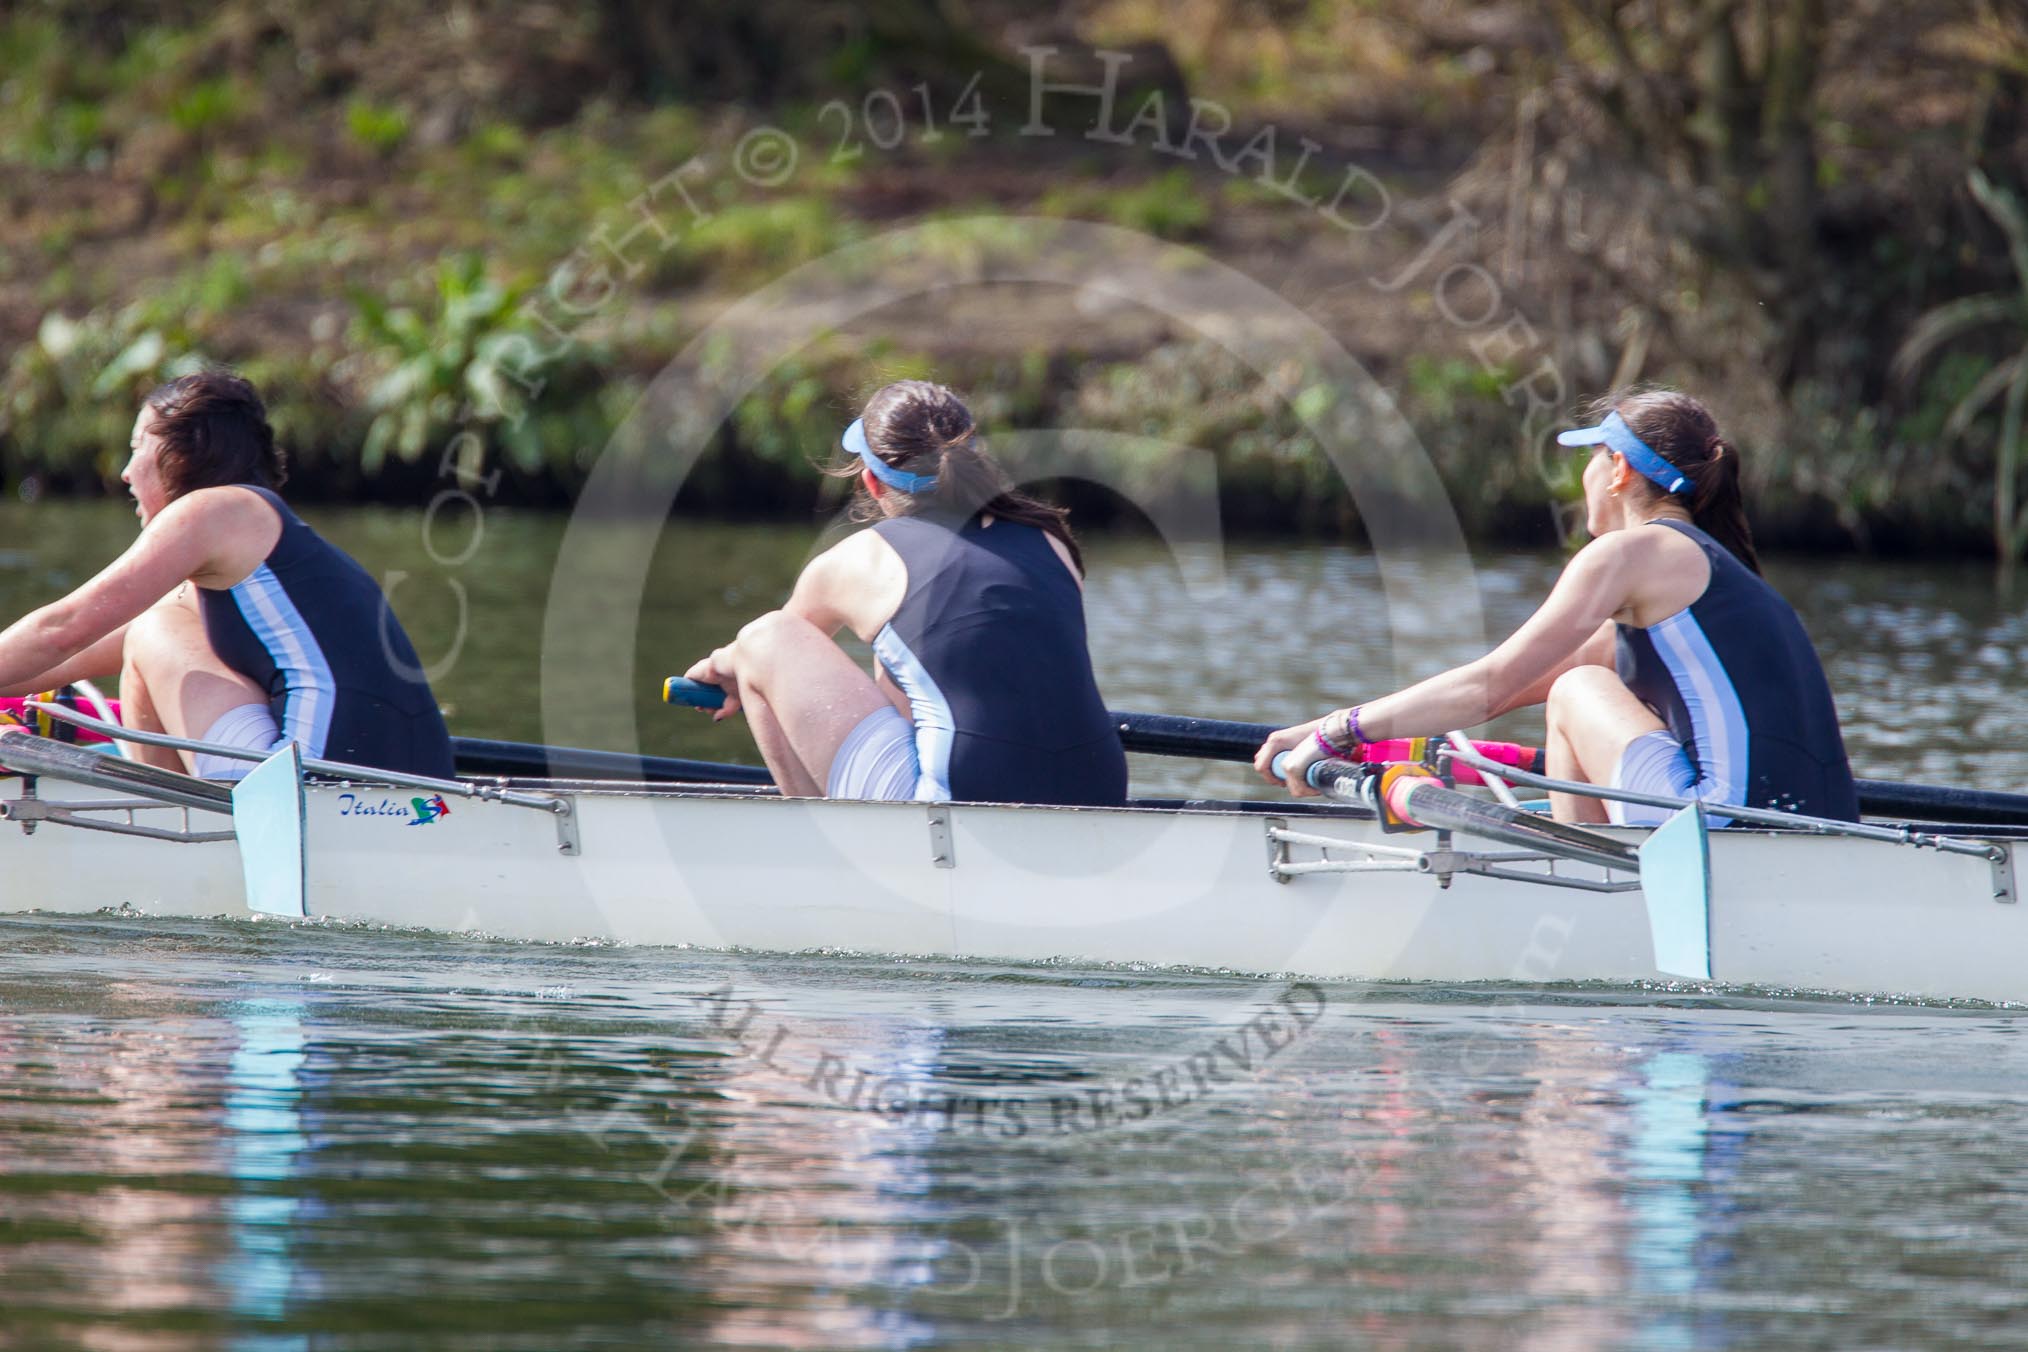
x,y
1717,507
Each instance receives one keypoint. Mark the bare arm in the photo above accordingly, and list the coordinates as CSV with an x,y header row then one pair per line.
x,y
1563,633
1573,627
856,584
816,594
175,547
1597,652
98,662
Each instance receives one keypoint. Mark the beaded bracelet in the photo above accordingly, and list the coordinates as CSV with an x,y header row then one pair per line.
x,y
1331,748
1353,735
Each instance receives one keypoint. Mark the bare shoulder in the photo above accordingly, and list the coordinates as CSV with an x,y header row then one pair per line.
x,y
1063,553
1602,555
237,527
1636,547
858,582
862,556
1666,571
226,507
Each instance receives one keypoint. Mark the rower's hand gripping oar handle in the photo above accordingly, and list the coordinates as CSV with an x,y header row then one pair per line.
x,y
1355,784
696,694
1322,775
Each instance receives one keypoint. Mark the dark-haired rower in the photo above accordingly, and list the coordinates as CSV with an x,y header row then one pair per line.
x,y
1667,663
971,595
229,620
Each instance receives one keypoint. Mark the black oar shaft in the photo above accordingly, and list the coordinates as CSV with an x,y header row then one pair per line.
x,y
1175,735
1215,739
521,760
1158,735
1939,803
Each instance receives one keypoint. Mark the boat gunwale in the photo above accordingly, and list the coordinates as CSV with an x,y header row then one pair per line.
x,y
1196,807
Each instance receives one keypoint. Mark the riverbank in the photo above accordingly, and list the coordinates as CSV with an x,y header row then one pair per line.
x,y
447,282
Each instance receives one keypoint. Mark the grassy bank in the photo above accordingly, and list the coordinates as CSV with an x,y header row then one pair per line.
x,y
396,229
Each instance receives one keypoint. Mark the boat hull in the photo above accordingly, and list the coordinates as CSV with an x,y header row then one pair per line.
x,y
1137,885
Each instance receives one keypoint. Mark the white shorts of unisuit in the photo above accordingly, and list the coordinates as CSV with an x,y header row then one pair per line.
x,y
251,726
876,760
1653,762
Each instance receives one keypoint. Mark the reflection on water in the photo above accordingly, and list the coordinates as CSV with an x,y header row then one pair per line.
x,y
305,1137
263,1130
1667,1153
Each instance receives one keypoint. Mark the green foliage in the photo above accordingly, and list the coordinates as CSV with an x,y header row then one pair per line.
x,y
742,238
1439,385
379,128
1172,205
2006,378
791,420
49,117
472,362
1196,395
205,107
68,399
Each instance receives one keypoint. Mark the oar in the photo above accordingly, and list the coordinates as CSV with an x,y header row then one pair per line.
x,y
1673,862
1421,799
1176,735
525,760
1940,803
1167,735
1154,734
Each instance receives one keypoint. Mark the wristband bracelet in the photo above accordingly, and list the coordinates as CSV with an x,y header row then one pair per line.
x,y
1332,748
1324,745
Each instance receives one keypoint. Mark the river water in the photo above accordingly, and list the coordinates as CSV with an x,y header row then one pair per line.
x,y
264,1136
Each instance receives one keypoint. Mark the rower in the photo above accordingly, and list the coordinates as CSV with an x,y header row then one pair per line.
x,y
229,620
971,595
1667,663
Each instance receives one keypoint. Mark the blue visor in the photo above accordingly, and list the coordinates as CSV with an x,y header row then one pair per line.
x,y
854,441
1615,434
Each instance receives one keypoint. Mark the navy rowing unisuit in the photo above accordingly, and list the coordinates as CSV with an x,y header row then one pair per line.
x,y
1738,684
313,629
989,646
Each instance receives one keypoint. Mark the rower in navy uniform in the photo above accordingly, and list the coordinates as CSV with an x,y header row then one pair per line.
x,y
229,620
1668,665
971,595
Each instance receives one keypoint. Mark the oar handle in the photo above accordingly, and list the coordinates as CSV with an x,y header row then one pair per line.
x,y
696,694
1320,771
1378,753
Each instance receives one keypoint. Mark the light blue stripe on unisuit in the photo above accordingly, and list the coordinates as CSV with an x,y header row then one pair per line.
x,y
1717,718
280,627
935,725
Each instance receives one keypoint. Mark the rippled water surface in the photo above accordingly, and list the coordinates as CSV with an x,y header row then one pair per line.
x,y
264,1136
253,1135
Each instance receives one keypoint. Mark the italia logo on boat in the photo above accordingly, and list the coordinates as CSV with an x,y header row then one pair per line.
x,y
416,812
429,809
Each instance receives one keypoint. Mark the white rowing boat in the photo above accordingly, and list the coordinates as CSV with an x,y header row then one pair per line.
x,y
1271,888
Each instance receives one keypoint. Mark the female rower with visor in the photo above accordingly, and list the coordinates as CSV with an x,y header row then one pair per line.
x,y
971,596
1667,664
